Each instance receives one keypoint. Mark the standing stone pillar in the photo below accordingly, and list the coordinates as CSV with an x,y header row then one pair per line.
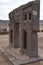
x,y
13,34
30,35
9,36
35,27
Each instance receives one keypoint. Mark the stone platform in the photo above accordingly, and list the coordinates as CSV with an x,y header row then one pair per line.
x,y
19,58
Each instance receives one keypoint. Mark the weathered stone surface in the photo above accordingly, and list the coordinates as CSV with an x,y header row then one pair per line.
x,y
25,24
17,60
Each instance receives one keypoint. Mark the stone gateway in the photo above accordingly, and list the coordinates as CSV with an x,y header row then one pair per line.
x,y
24,25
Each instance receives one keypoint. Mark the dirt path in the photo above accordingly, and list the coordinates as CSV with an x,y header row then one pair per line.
x,y
4,40
3,60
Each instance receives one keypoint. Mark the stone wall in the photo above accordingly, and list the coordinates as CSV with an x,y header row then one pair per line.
x,y
28,18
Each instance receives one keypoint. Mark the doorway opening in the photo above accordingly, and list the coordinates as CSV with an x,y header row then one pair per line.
x,y
24,39
11,36
16,35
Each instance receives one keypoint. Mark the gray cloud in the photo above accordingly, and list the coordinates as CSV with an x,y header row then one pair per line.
x,y
1,3
8,5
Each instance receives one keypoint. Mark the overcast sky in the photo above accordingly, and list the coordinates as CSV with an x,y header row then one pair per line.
x,y
8,5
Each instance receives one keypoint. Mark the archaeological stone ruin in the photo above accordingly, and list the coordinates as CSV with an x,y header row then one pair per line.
x,y
24,25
